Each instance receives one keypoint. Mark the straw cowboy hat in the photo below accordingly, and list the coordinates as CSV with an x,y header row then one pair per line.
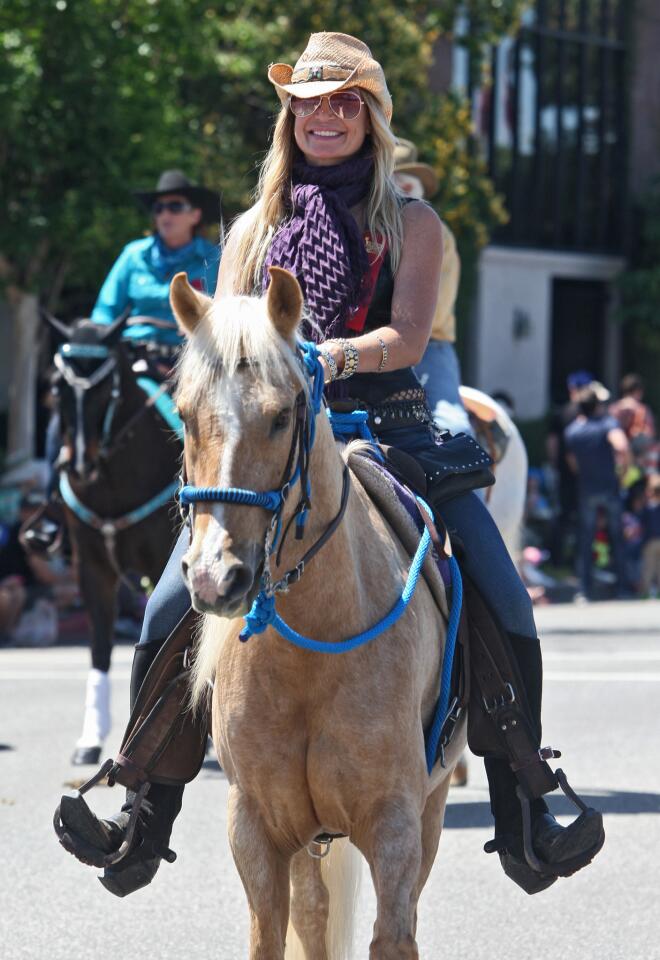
x,y
174,181
332,61
405,161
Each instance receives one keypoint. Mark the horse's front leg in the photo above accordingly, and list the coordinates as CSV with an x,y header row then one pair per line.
x,y
265,875
98,588
390,837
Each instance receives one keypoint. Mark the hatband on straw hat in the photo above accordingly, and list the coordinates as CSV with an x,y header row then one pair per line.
x,y
405,161
329,62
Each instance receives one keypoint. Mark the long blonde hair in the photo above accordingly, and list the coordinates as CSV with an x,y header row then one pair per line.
x,y
273,191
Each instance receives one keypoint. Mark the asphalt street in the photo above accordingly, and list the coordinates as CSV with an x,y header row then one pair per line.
x,y
602,690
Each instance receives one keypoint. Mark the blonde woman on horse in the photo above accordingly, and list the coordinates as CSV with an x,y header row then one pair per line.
x,y
328,210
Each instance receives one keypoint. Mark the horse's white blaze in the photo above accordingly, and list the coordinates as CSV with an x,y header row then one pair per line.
x,y
208,568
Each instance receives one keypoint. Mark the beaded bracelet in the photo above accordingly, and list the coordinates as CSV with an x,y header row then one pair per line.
x,y
384,348
351,359
332,364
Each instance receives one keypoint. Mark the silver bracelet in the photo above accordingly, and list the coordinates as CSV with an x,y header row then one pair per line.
x,y
351,359
331,362
384,348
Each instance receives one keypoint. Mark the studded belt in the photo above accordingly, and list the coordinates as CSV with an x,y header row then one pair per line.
x,y
399,413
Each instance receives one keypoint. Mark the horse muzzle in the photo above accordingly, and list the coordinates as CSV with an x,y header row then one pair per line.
x,y
223,588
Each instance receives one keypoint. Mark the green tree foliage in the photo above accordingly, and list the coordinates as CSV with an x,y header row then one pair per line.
x,y
98,96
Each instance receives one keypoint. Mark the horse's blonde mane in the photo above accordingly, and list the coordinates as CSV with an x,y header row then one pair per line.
x,y
234,332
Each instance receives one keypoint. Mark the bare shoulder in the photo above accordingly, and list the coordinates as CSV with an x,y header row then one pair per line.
x,y
418,215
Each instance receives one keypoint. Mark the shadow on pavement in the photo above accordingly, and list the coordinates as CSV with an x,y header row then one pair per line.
x,y
474,815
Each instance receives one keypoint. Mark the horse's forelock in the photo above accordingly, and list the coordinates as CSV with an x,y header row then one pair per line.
x,y
236,333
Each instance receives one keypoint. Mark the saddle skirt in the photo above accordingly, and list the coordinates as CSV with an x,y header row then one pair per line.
x,y
398,506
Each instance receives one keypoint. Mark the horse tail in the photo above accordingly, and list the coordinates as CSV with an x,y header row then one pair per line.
x,y
340,872
207,650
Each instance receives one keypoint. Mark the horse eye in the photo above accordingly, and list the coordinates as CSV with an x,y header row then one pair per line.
x,y
281,421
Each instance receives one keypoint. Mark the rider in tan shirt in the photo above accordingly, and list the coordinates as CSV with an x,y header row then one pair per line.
x,y
438,370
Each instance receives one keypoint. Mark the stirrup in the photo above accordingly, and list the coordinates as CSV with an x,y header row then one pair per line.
x,y
565,867
80,848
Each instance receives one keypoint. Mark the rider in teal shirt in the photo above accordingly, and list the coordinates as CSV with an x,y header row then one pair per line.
x,y
140,277
139,281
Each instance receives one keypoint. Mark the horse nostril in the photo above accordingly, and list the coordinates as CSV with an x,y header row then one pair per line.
x,y
236,583
184,568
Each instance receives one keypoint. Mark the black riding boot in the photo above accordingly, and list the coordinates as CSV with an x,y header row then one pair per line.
x,y
565,849
91,839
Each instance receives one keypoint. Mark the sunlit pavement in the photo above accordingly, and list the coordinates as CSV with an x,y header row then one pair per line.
x,y
602,664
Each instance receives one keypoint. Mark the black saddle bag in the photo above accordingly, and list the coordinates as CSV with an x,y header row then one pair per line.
x,y
457,465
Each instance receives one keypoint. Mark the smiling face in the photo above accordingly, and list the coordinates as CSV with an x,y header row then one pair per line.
x,y
327,139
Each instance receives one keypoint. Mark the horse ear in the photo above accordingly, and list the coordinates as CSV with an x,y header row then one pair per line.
x,y
112,332
284,301
60,328
188,305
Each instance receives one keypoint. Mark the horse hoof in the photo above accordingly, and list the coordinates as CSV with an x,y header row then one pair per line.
x,y
459,776
85,755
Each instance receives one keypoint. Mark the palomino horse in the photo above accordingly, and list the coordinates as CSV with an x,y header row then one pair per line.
x,y
117,480
312,744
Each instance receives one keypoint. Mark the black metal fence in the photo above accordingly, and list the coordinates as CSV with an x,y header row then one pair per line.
x,y
553,123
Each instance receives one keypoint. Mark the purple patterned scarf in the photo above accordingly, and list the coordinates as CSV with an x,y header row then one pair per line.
x,y
321,243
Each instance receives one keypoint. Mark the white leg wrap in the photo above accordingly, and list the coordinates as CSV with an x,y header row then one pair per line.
x,y
96,725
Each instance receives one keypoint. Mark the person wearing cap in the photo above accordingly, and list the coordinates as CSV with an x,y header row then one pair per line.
x,y
438,370
597,451
367,260
139,280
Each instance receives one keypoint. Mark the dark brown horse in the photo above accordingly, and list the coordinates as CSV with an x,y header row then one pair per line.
x,y
119,460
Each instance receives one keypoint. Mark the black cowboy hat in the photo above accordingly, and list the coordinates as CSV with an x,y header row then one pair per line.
x,y
174,181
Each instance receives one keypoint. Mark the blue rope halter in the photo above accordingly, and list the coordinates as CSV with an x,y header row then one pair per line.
x,y
263,612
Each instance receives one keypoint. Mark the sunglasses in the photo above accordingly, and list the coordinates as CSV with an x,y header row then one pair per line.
x,y
345,104
174,206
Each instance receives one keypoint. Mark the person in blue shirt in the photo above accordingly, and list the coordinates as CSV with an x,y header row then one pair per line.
x,y
596,449
140,277
139,281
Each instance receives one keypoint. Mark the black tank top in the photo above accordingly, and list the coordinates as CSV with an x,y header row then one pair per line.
x,y
374,388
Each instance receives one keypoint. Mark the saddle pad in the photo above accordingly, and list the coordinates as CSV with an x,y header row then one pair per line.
x,y
384,491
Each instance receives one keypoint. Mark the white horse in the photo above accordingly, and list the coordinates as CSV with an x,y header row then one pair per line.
x,y
497,433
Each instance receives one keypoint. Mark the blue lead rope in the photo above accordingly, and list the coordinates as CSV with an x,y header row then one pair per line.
x,y
263,614
433,737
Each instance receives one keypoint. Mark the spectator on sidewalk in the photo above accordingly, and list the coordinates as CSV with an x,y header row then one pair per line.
x,y
565,482
634,416
650,580
597,449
